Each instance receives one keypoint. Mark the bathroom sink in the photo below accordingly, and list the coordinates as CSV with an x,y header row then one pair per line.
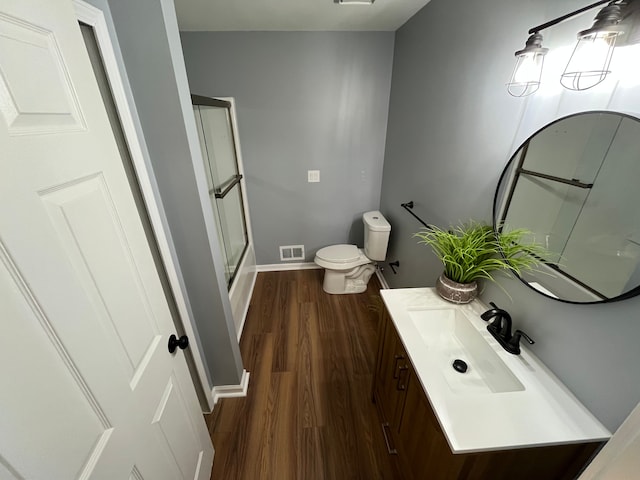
x,y
500,401
448,335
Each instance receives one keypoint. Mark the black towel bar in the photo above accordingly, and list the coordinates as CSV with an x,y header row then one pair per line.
x,y
408,207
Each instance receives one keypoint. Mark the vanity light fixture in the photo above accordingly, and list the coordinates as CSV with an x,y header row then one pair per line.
x,y
354,2
526,74
589,62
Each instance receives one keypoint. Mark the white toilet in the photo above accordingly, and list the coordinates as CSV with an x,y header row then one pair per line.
x,y
348,268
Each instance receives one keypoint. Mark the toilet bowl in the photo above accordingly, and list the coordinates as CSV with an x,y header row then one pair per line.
x,y
349,268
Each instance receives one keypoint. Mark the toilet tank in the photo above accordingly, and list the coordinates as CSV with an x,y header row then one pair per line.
x,y
376,235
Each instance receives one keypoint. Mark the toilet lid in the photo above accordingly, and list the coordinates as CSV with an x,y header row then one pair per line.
x,y
339,253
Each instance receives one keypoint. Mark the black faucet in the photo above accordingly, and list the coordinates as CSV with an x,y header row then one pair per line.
x,y
513,345
500,328
501,325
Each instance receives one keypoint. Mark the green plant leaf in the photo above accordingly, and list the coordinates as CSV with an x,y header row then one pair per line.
x,y
472,251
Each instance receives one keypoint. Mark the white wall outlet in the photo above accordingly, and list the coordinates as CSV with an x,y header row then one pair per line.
x,y
313,176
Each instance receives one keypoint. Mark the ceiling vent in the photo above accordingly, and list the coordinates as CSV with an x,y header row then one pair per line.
x,y
354,2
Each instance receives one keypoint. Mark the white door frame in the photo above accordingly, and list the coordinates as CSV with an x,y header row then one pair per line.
x,y
94,17
618,459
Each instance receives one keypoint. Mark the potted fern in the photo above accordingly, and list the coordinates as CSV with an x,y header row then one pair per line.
x,y
474,251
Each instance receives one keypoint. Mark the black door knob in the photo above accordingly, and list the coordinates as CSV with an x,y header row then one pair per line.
x,y
175,342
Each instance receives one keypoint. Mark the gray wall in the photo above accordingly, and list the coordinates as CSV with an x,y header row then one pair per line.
x,y
452,128
150,46
305,101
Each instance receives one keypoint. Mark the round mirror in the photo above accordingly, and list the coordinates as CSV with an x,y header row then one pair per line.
x,y
575,185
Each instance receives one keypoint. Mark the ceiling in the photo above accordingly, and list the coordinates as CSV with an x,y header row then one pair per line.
x,y
293,15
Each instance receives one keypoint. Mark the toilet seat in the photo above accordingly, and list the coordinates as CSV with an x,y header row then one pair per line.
x,y
341,257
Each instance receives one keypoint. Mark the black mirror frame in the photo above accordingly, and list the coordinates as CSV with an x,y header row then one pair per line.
x,y
631,293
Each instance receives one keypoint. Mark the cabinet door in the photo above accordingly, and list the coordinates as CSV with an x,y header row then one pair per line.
x,y
392,375
425,451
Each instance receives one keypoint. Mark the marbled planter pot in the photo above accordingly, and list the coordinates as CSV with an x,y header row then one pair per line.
x,y
455,292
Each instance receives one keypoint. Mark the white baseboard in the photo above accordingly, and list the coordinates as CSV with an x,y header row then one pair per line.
x,y
231,391
276,267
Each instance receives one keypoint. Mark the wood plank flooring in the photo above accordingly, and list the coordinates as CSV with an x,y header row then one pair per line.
x,y
308,413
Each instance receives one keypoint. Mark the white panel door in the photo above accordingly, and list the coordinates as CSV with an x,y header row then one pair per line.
x,y
89,390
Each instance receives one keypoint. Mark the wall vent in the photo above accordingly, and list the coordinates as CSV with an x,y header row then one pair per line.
x,y
291,252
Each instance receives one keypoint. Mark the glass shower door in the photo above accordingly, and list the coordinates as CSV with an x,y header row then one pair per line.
x,y
213,118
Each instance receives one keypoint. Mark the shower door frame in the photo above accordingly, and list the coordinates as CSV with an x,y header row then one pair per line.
x,y
241,285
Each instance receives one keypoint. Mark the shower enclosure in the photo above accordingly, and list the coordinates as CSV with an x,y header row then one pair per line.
x,y
215,121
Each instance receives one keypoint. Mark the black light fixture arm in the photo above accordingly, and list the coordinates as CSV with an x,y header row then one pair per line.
x,y
556,21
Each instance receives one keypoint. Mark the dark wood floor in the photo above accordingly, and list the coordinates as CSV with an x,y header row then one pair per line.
x,y
308,412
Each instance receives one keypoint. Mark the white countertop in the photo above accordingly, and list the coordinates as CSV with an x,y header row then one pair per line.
x,y
544,413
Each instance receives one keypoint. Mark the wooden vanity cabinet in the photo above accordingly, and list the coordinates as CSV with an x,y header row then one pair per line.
x,y
412,431
392,375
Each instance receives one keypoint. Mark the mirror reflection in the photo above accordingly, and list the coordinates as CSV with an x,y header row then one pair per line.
x,y
574,185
